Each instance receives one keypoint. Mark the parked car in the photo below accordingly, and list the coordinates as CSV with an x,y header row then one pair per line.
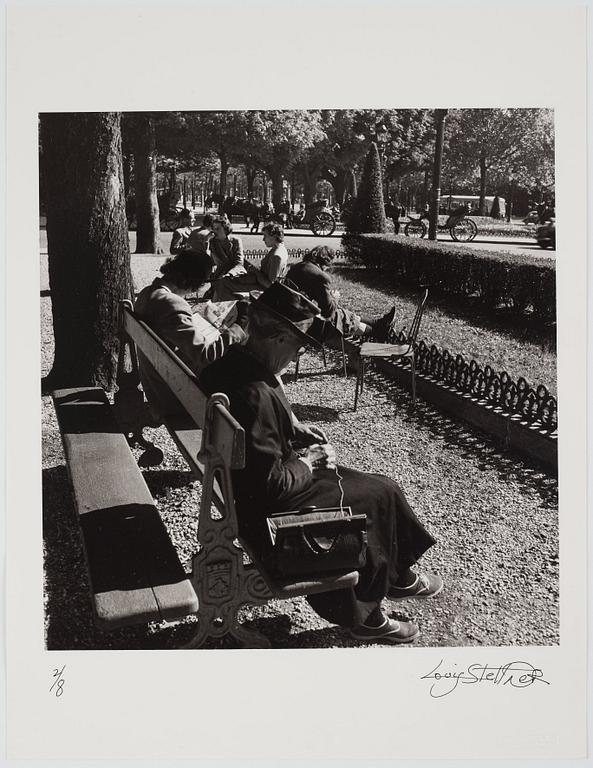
x,y
546,235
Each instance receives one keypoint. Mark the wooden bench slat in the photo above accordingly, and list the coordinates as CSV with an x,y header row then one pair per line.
x,y
188,438
183,384
134,569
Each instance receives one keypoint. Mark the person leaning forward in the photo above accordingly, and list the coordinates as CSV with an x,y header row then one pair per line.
x,y
276,479
162,305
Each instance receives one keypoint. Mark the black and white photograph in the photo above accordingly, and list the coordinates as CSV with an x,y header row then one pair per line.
x,y
296,382
303,367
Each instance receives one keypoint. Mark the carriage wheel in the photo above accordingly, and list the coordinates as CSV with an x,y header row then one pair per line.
x,y
464,231
323,224
415,229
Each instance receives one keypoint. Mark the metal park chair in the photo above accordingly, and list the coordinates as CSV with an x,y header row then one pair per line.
x,y
336,332
374,350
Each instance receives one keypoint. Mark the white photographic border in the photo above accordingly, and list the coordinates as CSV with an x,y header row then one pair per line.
x,y
360,704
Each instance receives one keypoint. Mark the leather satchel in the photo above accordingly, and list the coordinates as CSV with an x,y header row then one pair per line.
x,y
315,541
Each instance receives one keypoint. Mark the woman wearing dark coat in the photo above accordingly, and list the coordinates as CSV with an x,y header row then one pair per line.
x,y
226,250
309,277
276,478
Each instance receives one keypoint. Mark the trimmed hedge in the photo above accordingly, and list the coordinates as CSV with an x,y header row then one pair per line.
x,y
496,277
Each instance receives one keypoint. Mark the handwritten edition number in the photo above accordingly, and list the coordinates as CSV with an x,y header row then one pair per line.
x,y
58,683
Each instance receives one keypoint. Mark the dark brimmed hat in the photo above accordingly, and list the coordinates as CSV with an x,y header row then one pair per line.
x,y
294,310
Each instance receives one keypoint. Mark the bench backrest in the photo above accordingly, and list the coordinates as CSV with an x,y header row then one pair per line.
x,y
224,433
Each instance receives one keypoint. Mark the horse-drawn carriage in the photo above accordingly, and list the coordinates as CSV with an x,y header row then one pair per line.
x,y
318,216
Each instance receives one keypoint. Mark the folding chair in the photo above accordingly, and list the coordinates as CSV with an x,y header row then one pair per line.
x,y
336,332
374,350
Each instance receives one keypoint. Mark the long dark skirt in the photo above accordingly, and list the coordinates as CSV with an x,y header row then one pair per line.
x,y
396,539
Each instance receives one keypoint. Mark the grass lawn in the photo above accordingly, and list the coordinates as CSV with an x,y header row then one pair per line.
x,y
504,344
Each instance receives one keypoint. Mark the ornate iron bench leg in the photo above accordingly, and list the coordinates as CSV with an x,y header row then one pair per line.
x,y
222,582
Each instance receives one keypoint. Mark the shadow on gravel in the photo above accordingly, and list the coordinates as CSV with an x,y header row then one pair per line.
x,y
522,327
315,413
159,481
489,453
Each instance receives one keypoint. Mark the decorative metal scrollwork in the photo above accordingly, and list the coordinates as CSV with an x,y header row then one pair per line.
x,y
535,406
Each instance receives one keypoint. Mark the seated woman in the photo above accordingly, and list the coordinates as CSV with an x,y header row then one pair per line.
x,y
162,305
310,277
195,239
182,233
276,479
226,250
273,267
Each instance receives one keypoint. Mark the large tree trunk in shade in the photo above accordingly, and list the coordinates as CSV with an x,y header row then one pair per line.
x,y
88,249
147,207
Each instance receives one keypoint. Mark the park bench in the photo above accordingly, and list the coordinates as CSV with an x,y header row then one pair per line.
x,y
226,575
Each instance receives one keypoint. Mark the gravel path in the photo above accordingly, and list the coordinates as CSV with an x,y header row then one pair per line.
x,y
494,516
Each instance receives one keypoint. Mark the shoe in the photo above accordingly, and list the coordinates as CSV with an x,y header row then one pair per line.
x,y
391,631
380,328
426,585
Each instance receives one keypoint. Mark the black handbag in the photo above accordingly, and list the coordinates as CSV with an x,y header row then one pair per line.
x,y
317,541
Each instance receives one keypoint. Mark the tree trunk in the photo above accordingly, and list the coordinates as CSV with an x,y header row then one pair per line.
x,y
509,210
127,165
482,201
250,174
353,184
172,199
277,178
425,187
265,187
88,249
309,184
340,183
147,208
224,168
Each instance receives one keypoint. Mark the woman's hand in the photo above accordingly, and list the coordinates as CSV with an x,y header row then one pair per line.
x,y
321,456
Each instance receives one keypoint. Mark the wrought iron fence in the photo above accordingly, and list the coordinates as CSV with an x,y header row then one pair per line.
x,y
294,254
535,406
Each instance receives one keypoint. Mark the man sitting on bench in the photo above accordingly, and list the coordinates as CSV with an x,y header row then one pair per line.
x,y
163,307
276,479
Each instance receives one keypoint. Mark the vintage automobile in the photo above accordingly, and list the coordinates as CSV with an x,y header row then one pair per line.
x,y
546,235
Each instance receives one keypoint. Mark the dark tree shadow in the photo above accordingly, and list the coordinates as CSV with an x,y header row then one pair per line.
x,y
159,481
43,294
308,413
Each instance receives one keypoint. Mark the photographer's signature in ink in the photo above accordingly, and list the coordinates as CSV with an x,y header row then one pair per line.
x,y
517,674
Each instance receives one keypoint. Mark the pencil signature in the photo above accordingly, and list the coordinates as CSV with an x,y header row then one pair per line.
x,y
518,674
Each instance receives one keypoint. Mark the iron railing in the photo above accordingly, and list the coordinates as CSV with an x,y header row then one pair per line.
x,y
536,406
294,254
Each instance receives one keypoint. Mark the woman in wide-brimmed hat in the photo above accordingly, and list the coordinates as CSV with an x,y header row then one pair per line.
x,y
277,479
